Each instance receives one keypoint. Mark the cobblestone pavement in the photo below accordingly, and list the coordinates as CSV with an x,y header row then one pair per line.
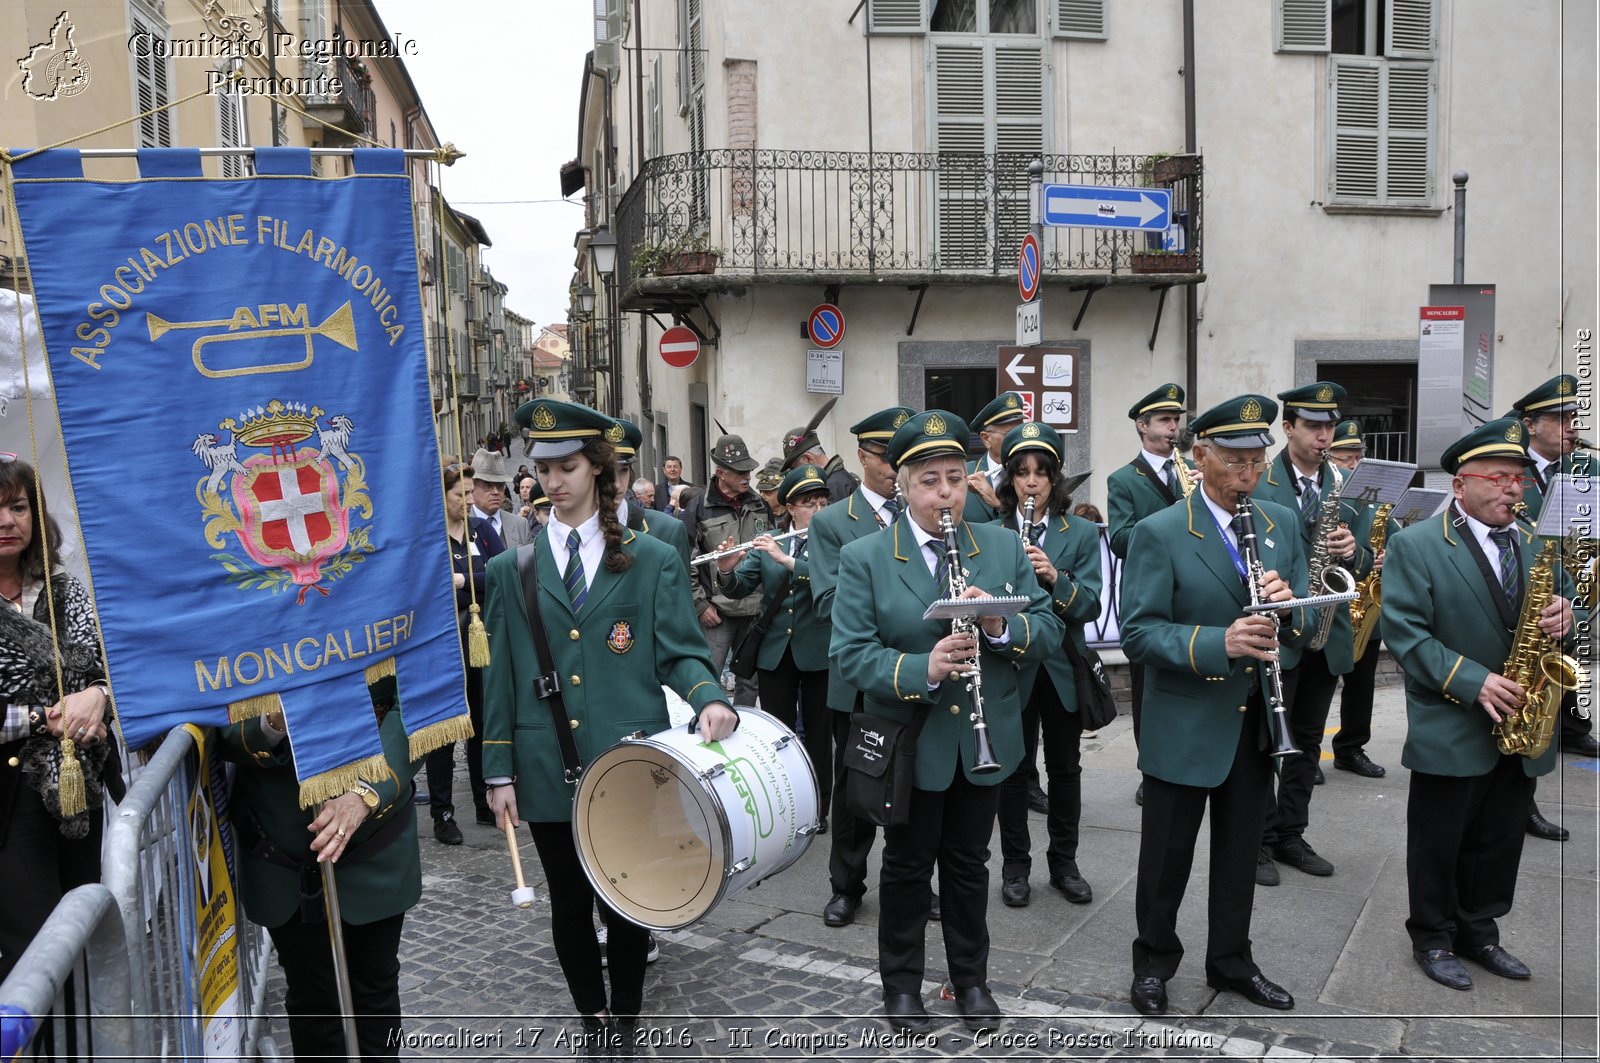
x,y
762,977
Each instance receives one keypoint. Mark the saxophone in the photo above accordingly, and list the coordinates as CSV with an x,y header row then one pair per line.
x,y
1538,666
1326,576
1183,469
1364,610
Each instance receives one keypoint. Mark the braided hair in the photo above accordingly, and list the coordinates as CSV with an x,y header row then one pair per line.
x,y
601,454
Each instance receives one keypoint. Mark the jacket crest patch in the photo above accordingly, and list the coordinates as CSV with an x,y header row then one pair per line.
x,y
621,638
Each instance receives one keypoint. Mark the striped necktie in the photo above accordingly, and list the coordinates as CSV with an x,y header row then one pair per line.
x,y
941,572
572,579
891,507
1510,571
1308,499
1166,474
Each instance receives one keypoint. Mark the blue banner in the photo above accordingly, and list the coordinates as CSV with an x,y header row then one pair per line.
x,y
241,373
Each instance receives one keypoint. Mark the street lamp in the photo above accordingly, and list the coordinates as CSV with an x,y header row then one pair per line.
x,y
586,298
603,251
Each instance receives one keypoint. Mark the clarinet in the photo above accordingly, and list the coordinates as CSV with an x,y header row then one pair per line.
x,y
1271,670
983,761
1026,531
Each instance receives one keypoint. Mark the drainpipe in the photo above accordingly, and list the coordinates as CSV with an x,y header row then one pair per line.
x,y
1191,302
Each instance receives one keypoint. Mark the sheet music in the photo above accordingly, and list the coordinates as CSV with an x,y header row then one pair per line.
x,y
1569,506
950,608
1376,481
1418,503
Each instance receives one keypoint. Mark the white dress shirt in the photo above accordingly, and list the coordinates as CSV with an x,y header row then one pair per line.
x,y
591,546
1491,549
877,502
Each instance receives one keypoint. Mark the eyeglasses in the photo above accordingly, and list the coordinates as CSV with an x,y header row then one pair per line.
x,y
1248,466
1500,482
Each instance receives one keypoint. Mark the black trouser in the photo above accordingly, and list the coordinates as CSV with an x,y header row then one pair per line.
x,y
1136,676
790,694
1062,733
1308,689
372,952
850,837
951,829
1355,705
1463,848
1170,824
38,867
572,904
441,763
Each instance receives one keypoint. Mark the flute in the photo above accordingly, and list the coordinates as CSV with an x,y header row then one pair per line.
x,y
714,555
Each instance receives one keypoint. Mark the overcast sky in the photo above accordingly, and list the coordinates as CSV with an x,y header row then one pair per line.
x,y
500,79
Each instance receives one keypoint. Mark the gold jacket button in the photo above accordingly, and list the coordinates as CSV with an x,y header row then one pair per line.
x,y
573,634
955,710
13,762
574,724
577,681
788,631
1244,708
1249,668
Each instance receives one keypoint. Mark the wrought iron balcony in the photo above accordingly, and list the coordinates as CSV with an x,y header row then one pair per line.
x,y
468,385
779,216
351,109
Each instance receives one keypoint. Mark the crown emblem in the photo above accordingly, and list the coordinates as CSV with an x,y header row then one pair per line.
x,y
1563,386
1172,391
1250,411
1011,401
1030,431
934,425
279,425
901,418
1514,432
615,434
1324,394
543,419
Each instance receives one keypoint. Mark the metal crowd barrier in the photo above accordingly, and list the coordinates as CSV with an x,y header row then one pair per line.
x,y
141,918
67,998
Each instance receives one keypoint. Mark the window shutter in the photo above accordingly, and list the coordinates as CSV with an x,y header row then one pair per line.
x,y
655,110
683,57
607,50
1408,154
1302,26
897,16
1019,100
153,87
1081,19
959,111
228,134
1355,88
697,47
1411,29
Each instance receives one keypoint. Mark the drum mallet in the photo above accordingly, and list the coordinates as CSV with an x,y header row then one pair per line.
x,y
522,896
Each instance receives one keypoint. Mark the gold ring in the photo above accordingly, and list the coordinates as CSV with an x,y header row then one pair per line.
x,y
340,832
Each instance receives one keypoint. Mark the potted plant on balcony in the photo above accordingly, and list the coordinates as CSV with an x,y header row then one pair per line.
x,y
677,255
1165,262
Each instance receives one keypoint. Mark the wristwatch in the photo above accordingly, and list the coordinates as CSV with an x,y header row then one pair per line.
x,y
368,795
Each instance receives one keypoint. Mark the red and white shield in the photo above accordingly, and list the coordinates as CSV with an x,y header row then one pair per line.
x,y
289,514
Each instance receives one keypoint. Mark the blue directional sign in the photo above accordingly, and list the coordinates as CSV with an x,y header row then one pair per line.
x,y
1105,207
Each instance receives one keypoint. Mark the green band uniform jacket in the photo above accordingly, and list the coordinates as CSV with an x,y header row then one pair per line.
x,y
380,884
1133,492
1073,546
636,632
1278,485
977,511
830,531
1442,624
796,626
663,526
1180,592
883,644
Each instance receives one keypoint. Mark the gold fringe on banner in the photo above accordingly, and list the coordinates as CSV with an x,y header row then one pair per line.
x,y
339,781
250,708
73,799
384,669
431,737
477,640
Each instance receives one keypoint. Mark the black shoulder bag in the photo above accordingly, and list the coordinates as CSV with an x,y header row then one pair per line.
x,y
880,761
547,685
1097,706
749,648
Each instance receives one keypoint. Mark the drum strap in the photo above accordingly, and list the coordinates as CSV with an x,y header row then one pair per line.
x,y
547,685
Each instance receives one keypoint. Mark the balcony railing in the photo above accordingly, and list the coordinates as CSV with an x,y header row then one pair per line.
x,y
351,109
790,212
468,385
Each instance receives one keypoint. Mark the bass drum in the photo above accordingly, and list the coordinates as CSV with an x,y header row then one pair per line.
x,y
668,825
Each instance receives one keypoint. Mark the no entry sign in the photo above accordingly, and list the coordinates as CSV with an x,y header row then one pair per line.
x,y
679,347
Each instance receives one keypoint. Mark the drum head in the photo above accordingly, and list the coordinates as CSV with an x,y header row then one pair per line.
x,y
652,837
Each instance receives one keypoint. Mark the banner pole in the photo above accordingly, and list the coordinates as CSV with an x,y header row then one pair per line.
x,y
341,964
129,153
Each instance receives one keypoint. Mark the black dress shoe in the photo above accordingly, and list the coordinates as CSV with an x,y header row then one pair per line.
x,y
1038,801
1318,780
822,825
485,816
1257,989
1138,795
1583,745
1497,960
1297,852
1072,886
1360,764
1442,966
1148,996
1540,827
840,910
1015,892
933,910
906,1012
1266,870
979,1010
445,830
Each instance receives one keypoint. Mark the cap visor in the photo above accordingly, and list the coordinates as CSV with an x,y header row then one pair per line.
x,y
1248,441
1314,415
544,449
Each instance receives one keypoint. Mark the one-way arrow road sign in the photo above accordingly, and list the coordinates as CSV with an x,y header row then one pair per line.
x,y
1104,207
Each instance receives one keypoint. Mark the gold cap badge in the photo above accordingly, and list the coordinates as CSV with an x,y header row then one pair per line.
x,y
1563,386
901,418
615,434
1250,411
934,426
543,419
1011,402
1324,394
1030,431
1514,432
1172,391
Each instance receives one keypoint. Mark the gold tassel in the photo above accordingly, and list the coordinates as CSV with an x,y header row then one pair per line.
x,y
384,669
73,799
442,733
339,781
249,708
477,640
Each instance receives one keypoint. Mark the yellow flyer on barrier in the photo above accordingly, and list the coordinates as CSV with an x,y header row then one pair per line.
x,y
216,915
